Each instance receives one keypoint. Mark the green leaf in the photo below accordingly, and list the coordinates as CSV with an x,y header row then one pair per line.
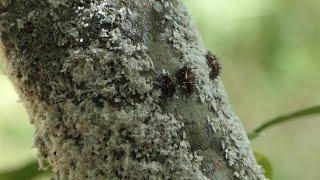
x,y
265,163
27,171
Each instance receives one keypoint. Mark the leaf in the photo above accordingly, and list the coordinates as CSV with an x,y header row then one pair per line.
x,y
27,171
265,163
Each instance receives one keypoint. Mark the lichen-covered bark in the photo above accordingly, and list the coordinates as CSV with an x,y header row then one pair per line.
x,y
88,72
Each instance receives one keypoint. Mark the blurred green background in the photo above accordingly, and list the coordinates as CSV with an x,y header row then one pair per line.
x,y
270,51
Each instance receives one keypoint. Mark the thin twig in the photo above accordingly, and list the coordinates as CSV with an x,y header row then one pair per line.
x,y
285,118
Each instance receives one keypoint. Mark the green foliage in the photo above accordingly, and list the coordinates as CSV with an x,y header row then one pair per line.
x,y
265,163
28,171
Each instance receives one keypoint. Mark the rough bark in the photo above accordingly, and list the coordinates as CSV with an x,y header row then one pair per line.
x,y
88,73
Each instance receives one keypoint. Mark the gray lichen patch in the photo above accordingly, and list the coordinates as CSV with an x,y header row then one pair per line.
x,y
87,72
225,127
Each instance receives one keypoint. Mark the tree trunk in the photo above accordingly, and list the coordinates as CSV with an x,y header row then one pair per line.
x,y
100,80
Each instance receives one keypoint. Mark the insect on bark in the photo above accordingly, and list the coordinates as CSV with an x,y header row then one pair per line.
x,y
214,65
168,87
186,79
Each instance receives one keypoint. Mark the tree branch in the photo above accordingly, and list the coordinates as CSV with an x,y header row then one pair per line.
x,y
88,73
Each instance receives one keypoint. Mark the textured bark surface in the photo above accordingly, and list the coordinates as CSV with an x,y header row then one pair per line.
x,y
88,73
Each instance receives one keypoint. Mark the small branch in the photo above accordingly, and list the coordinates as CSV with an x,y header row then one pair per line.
x,y
281,119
